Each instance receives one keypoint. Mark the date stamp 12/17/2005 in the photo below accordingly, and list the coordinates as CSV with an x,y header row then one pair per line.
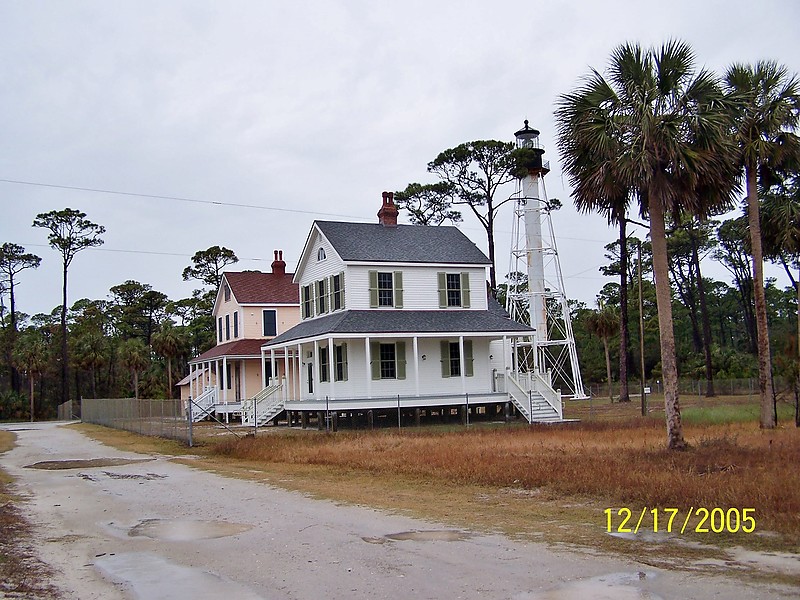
x,y
706,520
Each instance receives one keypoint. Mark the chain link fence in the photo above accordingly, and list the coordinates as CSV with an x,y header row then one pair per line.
x,y
689,387
158,418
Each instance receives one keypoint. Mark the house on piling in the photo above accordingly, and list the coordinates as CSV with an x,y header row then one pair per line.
x,y
251,307
396,323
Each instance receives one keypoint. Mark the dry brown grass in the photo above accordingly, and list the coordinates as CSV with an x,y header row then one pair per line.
x,y
620,464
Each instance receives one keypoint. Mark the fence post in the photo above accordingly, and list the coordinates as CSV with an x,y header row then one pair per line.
x,y
398,412
467,400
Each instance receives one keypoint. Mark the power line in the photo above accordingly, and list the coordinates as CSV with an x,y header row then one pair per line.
x,y
98,249
176,198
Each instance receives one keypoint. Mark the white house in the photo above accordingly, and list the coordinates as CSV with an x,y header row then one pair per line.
x,y
397,322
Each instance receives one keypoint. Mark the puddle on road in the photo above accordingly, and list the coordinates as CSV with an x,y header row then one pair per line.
x,y
57,465
186,530
614,586
427,535
155,578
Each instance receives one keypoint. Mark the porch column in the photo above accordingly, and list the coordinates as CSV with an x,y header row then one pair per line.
x,y
224,379
505,357
315,373
286,374
263,370
191,381
273,367
369,367
299,378
416,365
331,368
243,375
461,364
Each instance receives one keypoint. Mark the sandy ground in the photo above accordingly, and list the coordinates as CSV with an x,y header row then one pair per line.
x,y
153,529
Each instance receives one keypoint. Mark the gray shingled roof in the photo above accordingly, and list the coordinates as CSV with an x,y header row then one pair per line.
x,y
405,243
402,321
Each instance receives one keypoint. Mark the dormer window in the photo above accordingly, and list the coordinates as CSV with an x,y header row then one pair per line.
x,y
321,254
226,291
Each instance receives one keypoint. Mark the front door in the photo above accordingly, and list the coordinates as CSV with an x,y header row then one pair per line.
x,y
310,378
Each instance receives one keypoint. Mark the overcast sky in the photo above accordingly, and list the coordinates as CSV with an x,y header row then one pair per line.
x,y
300,110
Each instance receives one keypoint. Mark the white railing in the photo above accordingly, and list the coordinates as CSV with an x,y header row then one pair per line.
x,y
523,387
203,405
264,406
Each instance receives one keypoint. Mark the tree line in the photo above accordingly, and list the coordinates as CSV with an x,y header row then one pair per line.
x,y
135,342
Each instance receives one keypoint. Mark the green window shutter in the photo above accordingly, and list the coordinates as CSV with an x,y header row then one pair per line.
x,y
373,289
400,356
444,345
341,287
303,314
398,289
344,362
331,303
465,290
375,359
468,358
322,297
442,278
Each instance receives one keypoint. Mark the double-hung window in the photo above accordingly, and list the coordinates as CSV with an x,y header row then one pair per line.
x,y
324,365
388,360
451,359
453,290
385,289
337,292
270,319
340,362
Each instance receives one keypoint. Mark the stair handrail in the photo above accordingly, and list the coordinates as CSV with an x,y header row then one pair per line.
x,y
263,402
552,397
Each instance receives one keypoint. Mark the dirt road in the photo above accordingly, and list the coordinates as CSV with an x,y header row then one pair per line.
x,y
123,525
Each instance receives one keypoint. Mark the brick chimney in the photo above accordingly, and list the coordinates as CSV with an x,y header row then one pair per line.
x,y
278,266
387,215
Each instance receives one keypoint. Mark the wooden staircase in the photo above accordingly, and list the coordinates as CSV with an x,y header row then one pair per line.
x,y
204,404
263,407
535,399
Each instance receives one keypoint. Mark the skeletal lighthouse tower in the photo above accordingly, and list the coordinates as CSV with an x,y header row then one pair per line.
x,y
536,287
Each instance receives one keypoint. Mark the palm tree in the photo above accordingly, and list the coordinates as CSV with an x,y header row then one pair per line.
x,y
604,323
667,127
135,355
599,188
169,342
766,108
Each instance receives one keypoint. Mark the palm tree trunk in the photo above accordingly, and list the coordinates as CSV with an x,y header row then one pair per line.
x,y
768,416
608,370
623,314
31,383
169,377
669,367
